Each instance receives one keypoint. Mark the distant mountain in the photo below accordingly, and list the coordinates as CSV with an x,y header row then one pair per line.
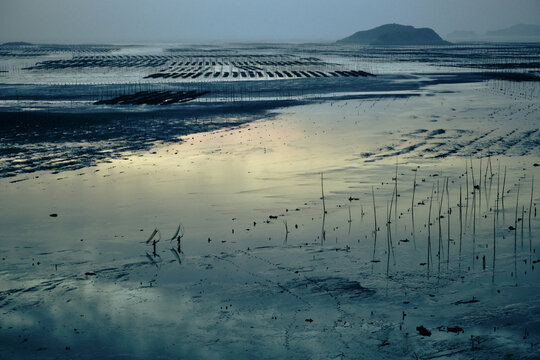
x,y
16,43
516,31
395,34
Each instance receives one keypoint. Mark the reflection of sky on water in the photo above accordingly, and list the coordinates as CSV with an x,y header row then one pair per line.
x,y
250,172
222,181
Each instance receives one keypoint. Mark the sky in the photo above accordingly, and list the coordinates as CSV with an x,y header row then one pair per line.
x,y
136,21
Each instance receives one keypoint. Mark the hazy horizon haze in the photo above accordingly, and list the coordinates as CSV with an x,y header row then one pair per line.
x,y
136,21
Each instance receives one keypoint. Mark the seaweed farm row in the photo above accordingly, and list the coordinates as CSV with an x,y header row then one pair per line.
x,y
121,61
16,50
273,62
173,60
254,74
209,65
489,56
153,98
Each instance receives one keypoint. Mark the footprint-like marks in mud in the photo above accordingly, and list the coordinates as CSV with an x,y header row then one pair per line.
x,y
63,284
119,273
30,293
289,329
333,286
227,258
510,143
530,142
5,296
454,147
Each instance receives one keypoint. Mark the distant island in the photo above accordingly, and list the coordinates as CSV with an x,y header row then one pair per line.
x,y
16,43
395,34
518,32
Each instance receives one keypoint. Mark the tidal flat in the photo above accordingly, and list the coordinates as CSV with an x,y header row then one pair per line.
x,y
376,203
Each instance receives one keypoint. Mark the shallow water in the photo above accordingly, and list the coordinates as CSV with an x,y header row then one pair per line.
x,y
261,268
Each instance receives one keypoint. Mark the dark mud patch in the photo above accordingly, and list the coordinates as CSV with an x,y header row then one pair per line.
x,y
434,133
336,286
36,141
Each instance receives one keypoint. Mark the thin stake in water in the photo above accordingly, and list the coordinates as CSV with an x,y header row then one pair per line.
x,y
429,229
389,216
322,194
412,211
479,186
448,235
374,208
515,233
503,185
522,221
498,189
531,202
494,247
472,174
396,190
441,200
466,194
460,221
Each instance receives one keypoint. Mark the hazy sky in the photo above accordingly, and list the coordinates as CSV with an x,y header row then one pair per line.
x,y
75,21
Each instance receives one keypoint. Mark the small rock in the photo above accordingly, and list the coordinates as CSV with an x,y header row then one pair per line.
x,y
472,301
423,331
455,329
